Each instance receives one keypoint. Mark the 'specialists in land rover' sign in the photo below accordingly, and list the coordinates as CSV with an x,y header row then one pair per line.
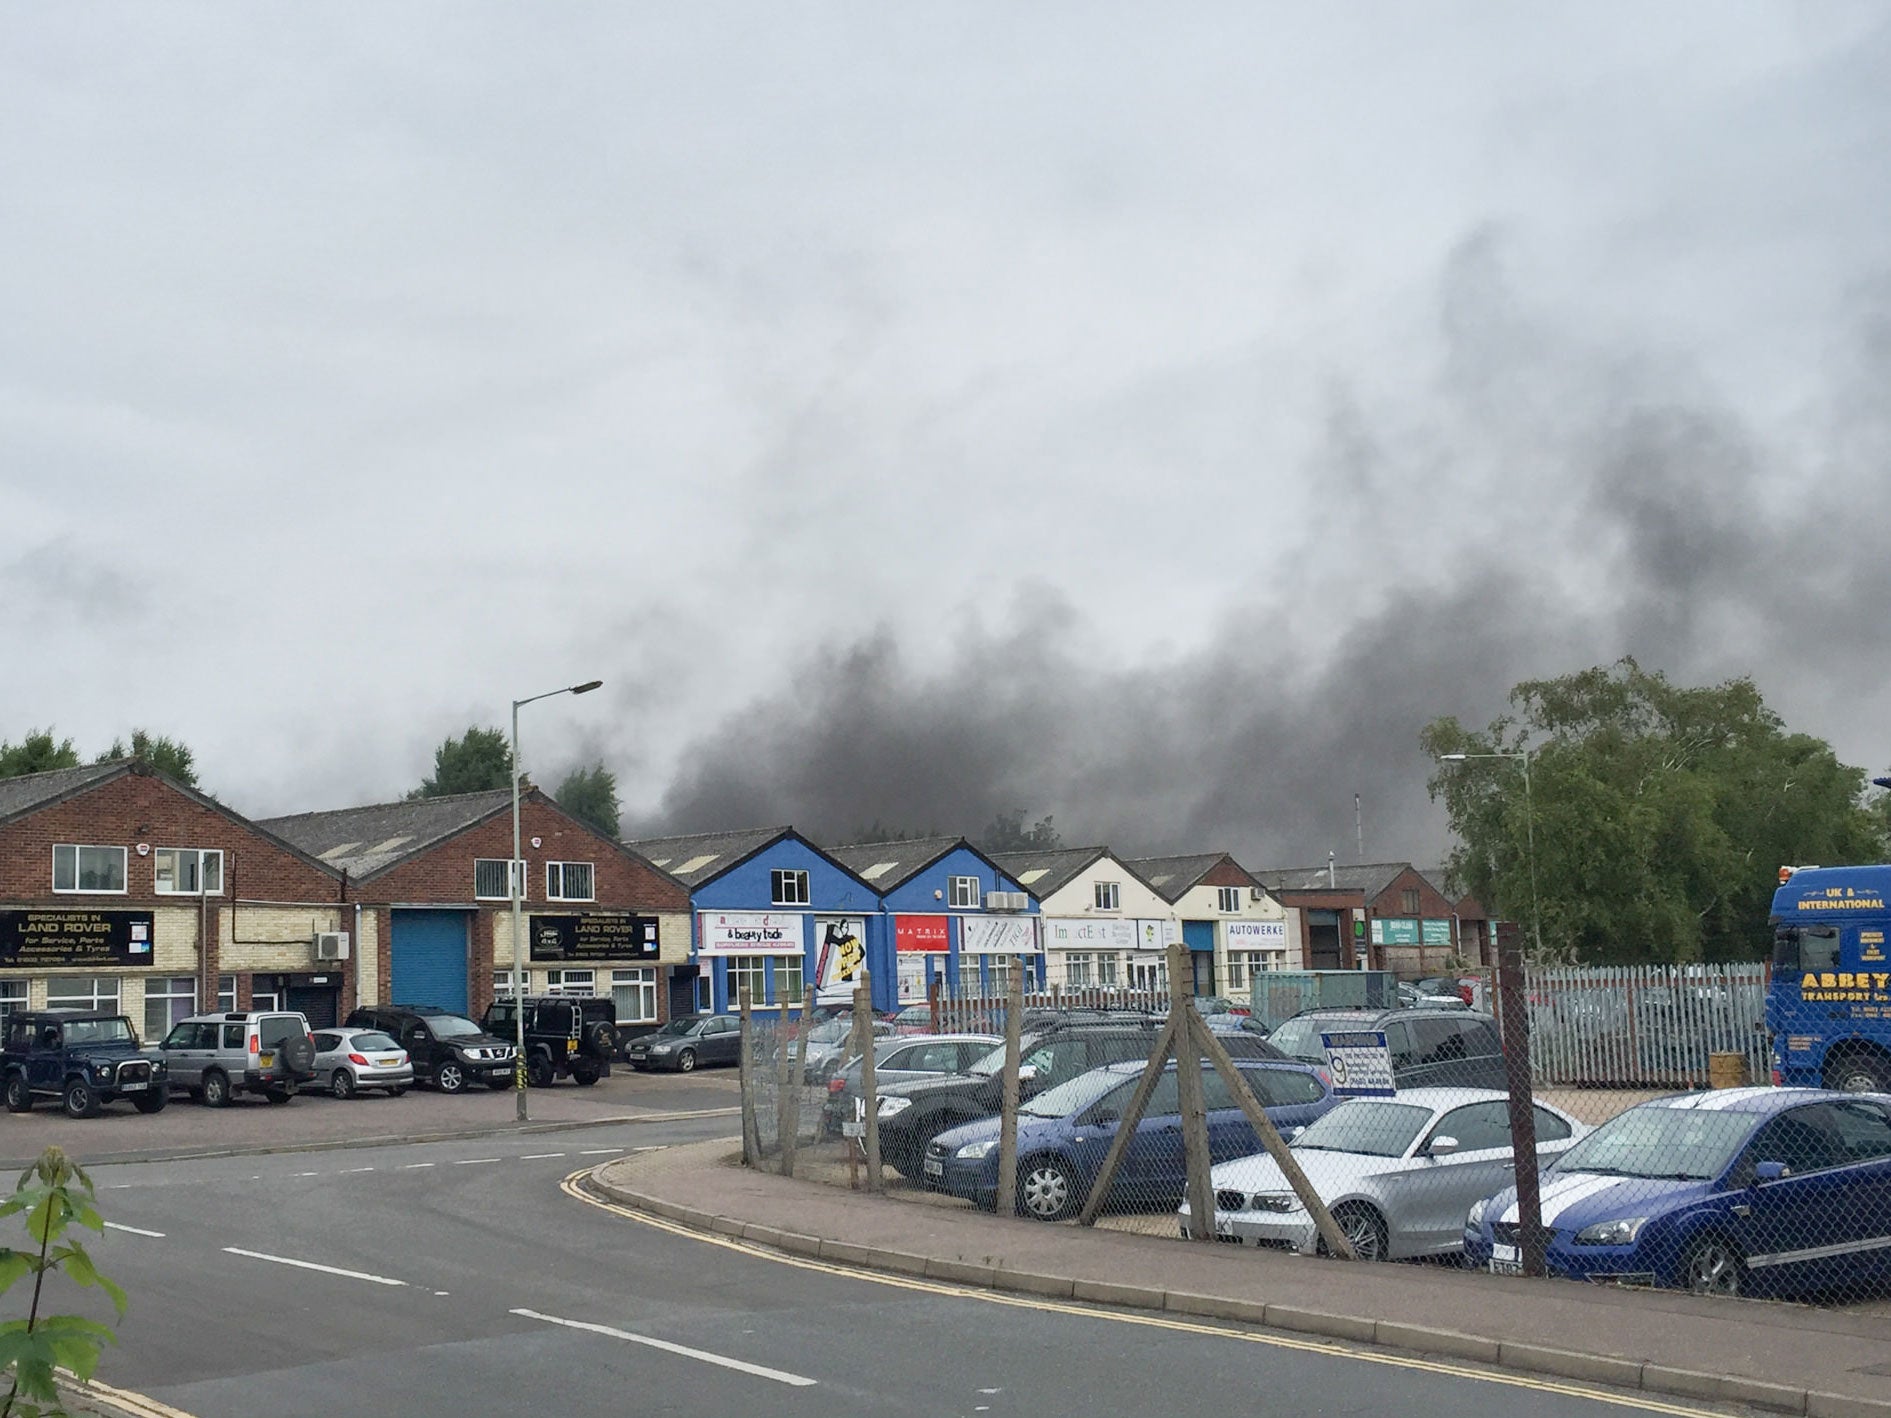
x,y
594,937
30,940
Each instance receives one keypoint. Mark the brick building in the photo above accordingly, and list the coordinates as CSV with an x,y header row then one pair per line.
x,y
1376,915
427,882
123,889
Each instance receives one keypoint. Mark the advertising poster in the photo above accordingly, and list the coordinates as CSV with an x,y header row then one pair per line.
x,y
33,940
840,947
1081,933
1256,935
750,933
922,934
998,935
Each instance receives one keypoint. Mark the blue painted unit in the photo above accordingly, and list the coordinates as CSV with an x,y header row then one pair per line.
x,y
429,958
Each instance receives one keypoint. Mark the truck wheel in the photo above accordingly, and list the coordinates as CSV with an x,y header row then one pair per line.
x,y
585,1077
1859,1073
151,1102
539,1072
19,1095
80,1099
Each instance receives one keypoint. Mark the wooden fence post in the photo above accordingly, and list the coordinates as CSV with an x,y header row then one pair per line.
x,y
1126,1125
792,1143
751,1125
1188,1090
1006,1202
869,1087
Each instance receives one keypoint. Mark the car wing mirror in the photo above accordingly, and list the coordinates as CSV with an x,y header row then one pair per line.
x,y
1770,1172
1291,1133
1442,1146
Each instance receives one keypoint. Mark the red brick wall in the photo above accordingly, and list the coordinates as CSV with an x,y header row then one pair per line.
x,y
1431,903
1227,872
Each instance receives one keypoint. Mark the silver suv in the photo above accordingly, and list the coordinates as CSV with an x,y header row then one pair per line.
x,y
217,1056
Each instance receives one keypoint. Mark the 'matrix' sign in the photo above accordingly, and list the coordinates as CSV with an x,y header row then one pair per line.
x,y
581,938
30,940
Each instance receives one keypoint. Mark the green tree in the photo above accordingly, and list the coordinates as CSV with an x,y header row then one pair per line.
x,y
37,752
880,832
1661,813
169,756
1007,833
476,762
590,795
52,1194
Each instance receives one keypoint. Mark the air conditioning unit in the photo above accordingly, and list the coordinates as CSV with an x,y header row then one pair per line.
x,y
1255,893
1006,900
331,945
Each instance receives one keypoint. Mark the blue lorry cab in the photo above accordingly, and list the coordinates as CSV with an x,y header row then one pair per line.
x,y
1828,1006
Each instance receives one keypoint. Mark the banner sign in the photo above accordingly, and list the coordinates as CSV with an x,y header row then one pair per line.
x,y
922,933
1435,932
998,935
1394,930
1157,935
840,950
578,939
1359,1064
31,940
1078,933
749,933
1256,935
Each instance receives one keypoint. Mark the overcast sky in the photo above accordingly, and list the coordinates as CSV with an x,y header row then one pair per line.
x,y
1151,415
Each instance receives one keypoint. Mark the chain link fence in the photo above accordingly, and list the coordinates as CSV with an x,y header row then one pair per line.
x,y
1151,1116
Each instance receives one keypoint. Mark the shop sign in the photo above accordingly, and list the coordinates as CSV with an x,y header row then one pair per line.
x,y
998,935
840,945
922,933
1157,935
594,937
750,933
1394,930
1079,933
32,940
1436,932
1256,935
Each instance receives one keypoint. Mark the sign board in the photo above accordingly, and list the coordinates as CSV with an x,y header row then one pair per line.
x,y
1435,932
1359,1064
998,935
1394,930
1078,933
839,951
1255,935
1157,934
749,933
856,1126
32,940
922,933
578,939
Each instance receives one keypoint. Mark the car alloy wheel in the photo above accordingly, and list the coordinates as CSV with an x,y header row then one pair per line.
x,y
686,1061
1045,1190
450,1078
216,1089
341,1083
19,1095
80,1100
1713,1268
1363,1230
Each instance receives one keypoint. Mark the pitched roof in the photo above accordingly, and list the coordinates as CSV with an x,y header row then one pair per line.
x,y
885,865
703,856
1052,869
365,841
1174,877
1367,878
32,791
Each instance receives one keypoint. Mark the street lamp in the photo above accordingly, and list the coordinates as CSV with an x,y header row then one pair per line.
x,y
514,872
1529,832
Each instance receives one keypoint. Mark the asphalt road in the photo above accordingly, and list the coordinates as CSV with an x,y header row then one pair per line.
x,y
459,1280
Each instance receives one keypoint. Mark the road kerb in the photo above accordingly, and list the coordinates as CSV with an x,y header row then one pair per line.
x,y
727,1226
1526,1358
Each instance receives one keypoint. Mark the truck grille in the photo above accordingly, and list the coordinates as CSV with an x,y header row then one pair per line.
x,y
490,1053
137,1071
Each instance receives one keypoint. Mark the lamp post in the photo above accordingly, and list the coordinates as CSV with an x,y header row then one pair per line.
x,y
1529,832
516,875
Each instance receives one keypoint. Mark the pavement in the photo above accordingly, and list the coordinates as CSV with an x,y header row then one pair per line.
x,y
315,1120
470,1277
1765,1354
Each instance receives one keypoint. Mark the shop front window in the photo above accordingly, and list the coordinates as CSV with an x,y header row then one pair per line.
x,y
83,992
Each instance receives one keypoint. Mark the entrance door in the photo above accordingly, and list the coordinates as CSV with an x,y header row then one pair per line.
x,y
1323,952
1148,973
1199,937
430,959
319,1004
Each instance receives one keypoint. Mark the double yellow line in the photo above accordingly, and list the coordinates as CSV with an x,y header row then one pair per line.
x,y
572,1187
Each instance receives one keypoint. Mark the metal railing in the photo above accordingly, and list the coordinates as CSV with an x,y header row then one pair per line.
x,y
1645,1026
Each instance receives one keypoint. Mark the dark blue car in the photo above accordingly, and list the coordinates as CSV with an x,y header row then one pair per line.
x,y
1065,1132
1772,1191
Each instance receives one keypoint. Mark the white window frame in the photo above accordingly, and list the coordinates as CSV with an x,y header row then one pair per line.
x,y
1244,965
582,983
642,982
965,892
1228,899
1109,969
165,988
1080,969
226,994
13,995
124,870
202,854
518,874
1107,895
557,878
502,985
99,999
752,968
788,886
787,978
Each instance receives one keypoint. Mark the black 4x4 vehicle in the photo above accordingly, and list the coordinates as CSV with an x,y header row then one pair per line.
x,y
83,1059
564,1035
913,1114
448,1050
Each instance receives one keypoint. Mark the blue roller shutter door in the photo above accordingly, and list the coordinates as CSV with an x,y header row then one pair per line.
x,y
1199,937
430,959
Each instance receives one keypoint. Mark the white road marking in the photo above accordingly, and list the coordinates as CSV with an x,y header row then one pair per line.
x,y
135,1230
410,1166
311,1265
760,1371
308,1174
539,1156
118,1186
349,1171
600,1151
474,1161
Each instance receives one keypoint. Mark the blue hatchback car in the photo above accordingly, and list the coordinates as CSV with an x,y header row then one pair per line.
x,y
1761,1191
1065,1132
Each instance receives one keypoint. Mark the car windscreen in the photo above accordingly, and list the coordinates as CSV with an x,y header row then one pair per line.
x,y
676,1028
98,1031
1299,1037
448,1026
1678,1143
372,1042
1367,1125
1076,1094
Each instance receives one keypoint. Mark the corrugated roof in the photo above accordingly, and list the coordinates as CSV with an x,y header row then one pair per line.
x,y
888,864
31,791
1174,877
1368,878
365,841
702,856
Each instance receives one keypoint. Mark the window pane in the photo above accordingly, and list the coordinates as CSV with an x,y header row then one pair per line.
x,y
578,881
213,872
65,868
489,879
101,868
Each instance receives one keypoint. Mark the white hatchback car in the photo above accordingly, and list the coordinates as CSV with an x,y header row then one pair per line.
x,y
1399,1174
349,1061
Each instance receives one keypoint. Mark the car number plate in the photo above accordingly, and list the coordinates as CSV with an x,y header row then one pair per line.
x,y
1506,1260
934,1167
264,1060
387,1063
133,1087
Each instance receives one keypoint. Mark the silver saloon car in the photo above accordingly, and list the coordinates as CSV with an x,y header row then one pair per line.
x,y
351,1061
1399,1174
